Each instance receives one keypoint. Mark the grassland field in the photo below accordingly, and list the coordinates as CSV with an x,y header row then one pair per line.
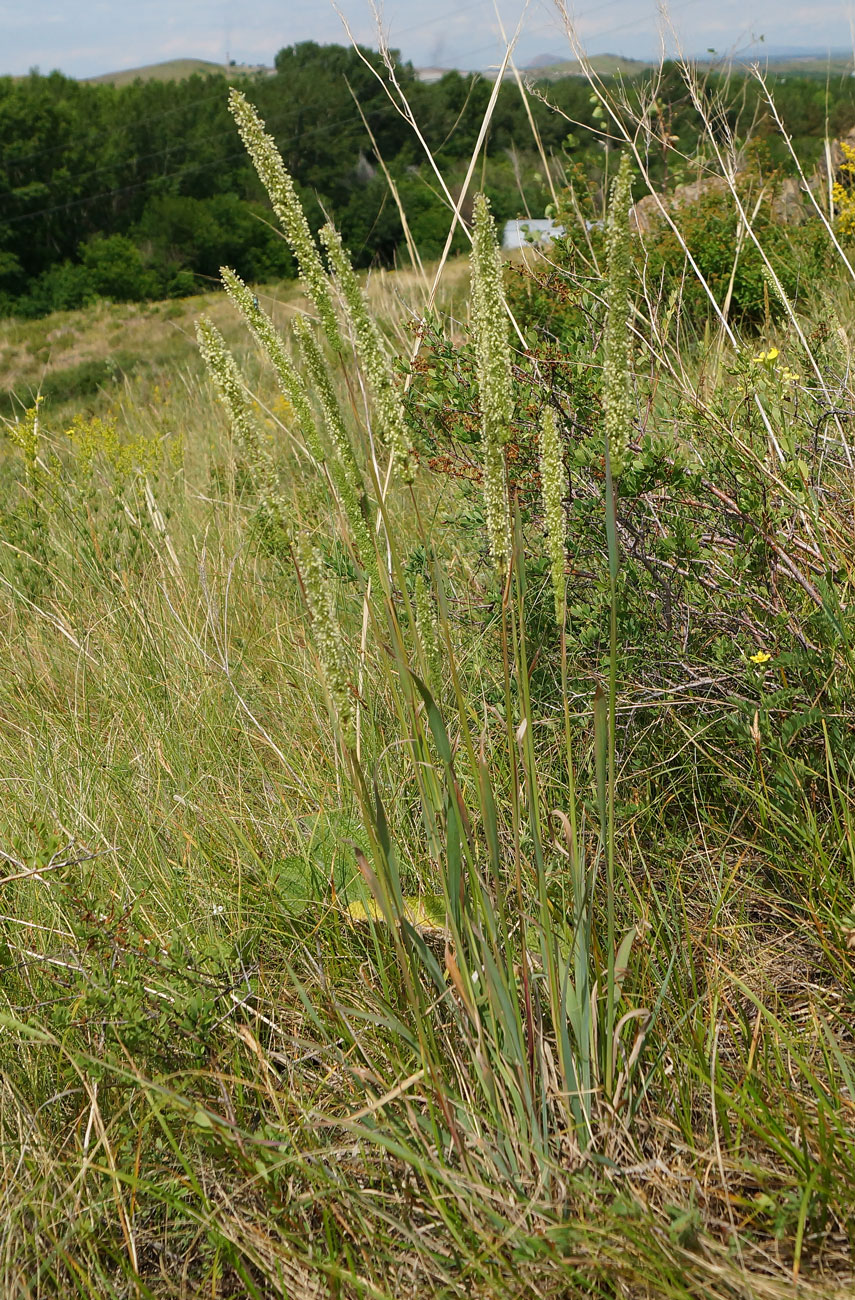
x,y
428,869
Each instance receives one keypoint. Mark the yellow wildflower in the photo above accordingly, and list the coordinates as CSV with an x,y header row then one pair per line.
x,y
761,657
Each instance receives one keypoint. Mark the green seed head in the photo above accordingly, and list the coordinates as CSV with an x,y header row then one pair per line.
x,y
617,359
267,160
273,345
493,364
552,493
328,638
224,372
372,355
223,369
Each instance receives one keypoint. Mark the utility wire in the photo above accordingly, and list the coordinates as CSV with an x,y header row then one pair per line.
x,y
152,180
113,133
139,158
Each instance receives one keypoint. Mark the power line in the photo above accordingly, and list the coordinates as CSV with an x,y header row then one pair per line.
x,y
200,167
190,104
585,13
87,141
152,180
106,135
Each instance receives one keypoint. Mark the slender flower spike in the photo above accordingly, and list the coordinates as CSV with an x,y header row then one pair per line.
x,y
493,364
492,349
552,493
267,160
342,467
273,345
328,638
426,624
316,371
224,372
222,367
369,345
617,359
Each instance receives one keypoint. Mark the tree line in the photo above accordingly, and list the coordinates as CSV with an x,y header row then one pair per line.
x,y
144,191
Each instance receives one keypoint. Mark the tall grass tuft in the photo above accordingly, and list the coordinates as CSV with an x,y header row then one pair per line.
x,y
455,898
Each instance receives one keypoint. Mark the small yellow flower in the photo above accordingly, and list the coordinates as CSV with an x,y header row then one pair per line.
x,y
767,358
772,354
761,657
788,376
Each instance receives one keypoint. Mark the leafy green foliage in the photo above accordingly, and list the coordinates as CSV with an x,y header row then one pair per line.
x,y
710,228
157,164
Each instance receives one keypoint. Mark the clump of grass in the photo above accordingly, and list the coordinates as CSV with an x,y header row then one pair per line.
x,y
426,904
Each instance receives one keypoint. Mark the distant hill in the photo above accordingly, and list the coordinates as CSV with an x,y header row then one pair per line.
x,y
605,65
780,59
815,64
173,70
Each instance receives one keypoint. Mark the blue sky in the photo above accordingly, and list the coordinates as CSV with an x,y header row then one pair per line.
x,y
85,38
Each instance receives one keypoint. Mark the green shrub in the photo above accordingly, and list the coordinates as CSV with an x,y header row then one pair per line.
x,y
711,228
116,269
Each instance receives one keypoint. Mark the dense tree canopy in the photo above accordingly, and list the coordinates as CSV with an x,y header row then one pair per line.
x,y
145,190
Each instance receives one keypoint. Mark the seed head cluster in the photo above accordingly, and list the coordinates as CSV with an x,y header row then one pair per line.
x,y
326,631
617,359
369,345
267,160
552,493
343,469
273,346
493,363
426,625
224,372
317,371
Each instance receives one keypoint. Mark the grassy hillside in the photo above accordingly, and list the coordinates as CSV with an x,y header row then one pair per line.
x,y
86,361
426,751
75,359
603,65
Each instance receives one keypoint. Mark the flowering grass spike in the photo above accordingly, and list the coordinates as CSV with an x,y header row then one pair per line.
x,y
493,364
328,638
369,345
224,372
552,493
273,345
617,360
316,370
261,148
342,467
